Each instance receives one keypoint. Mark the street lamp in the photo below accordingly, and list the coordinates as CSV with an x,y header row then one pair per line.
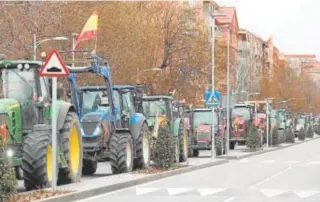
x,y
37,43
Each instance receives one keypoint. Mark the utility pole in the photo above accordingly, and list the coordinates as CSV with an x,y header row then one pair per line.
x,y
228,92
212,28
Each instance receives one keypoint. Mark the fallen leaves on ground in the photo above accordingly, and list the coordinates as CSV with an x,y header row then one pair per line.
x,y
157,170
37,195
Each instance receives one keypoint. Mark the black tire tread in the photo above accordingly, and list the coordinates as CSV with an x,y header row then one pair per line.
x,y
34,160
139,161
118,152
65,176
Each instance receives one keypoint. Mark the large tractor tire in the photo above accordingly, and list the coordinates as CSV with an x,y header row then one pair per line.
x,y
70,139
190,150
142,160
121,153
290,138
183,144
37,160
232,145
301,135
89,167
220,145
310,132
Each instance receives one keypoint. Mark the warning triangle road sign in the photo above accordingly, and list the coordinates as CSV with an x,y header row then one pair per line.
x,y
54,66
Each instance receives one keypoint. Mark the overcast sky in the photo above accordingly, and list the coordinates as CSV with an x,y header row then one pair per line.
x,y
293,24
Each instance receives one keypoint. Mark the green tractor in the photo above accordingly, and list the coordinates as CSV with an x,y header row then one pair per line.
x,y
159,107
285,125
25,112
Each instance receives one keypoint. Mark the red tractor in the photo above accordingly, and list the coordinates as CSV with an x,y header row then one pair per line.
x,y
242,120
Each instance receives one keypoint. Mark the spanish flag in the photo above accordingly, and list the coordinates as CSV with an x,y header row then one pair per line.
x,y
90,30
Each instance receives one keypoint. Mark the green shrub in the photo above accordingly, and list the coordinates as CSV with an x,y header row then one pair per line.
x,y
8,179
163,149
253,138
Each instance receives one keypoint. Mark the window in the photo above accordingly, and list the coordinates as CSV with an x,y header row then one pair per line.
x,y
204,118
18,84
241,111
129,98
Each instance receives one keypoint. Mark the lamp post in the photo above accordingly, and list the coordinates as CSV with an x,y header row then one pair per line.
x,y
37,43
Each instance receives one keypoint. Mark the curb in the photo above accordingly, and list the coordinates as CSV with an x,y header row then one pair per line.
x,y
75,196
264,151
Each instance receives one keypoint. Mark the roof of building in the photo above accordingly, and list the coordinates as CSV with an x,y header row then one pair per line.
x,y
230,12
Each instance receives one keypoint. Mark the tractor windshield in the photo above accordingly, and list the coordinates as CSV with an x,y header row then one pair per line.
x,y
94,100
151,108
300,120
204,118
281,116
17,84
241,111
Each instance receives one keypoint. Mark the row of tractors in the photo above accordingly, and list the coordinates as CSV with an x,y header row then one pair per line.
x,y
117,123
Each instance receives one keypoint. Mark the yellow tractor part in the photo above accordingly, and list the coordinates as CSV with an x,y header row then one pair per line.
x,y
74,145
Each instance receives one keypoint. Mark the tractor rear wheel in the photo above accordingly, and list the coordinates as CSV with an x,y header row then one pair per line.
x,y
183,144
70,139
89,167
143,148
37,160
121,153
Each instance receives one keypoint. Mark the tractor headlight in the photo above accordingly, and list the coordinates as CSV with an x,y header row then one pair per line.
x,y
97,131
9,153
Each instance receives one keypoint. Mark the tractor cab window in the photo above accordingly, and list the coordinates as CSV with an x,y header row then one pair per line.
x,y
204,118
18,84
281,116
152,108
300,120
128,96
94,100
241,111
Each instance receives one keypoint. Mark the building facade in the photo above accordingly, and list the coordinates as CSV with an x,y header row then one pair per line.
x,y
296,61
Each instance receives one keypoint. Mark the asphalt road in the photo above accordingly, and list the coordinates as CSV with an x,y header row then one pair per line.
x,y
287,175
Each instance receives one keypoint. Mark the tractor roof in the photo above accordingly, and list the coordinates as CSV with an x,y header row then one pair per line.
x,y
118,87
93,88
202,109
158,97
16,62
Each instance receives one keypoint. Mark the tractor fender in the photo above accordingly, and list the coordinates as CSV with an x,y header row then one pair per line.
x,y
63,109
136,122
176,127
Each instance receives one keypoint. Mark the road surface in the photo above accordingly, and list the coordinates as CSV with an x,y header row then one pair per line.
x,y
287,175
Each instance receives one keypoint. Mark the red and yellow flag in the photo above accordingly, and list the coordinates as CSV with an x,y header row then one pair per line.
x,y
90,30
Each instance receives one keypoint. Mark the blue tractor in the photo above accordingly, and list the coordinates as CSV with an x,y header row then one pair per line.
x,y
111,127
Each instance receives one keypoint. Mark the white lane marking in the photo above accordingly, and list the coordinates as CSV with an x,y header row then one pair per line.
x,y
176,191
305,194
268,161
246,160
272,193
145,190
229,199
291,162
209,191
272,176
313,162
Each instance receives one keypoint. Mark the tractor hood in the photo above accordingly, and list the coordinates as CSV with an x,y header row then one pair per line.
x,y
94,116
5,104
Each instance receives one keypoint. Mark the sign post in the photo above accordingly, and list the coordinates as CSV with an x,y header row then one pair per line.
x,y
54,67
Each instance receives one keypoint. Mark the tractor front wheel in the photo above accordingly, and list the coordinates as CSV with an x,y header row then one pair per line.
x,y
70,139
121,153
142,160
37,160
